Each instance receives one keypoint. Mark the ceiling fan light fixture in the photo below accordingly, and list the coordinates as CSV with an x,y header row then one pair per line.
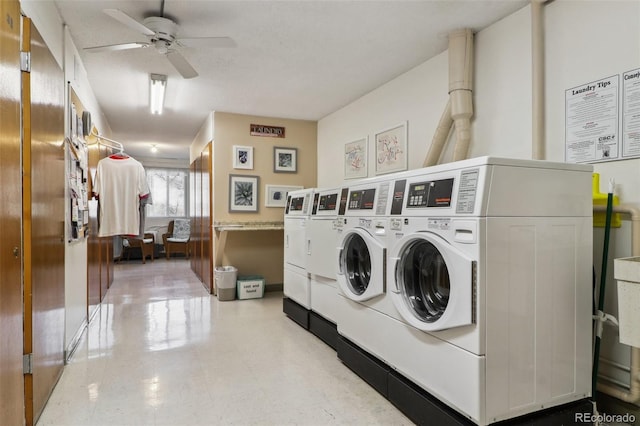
x,y
157,87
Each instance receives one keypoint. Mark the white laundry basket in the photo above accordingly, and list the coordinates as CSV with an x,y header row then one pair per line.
x,y
225,277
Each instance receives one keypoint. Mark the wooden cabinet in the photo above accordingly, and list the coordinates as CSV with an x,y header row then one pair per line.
x,y
200,193
99,250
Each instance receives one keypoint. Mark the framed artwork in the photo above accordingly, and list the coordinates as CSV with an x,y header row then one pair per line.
x,y
243,193
276,195
242,157
391,149
285,159
355,159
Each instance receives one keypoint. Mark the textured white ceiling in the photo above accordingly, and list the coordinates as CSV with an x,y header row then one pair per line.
x,y
294,59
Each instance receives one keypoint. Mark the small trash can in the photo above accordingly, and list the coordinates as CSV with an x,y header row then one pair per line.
x,y
225,277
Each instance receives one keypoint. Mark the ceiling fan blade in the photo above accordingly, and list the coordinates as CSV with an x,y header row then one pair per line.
x,y
207,42
180,63
127,20
114,47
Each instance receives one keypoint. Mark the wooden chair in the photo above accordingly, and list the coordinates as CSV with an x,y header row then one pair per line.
x,y
146,246
176,240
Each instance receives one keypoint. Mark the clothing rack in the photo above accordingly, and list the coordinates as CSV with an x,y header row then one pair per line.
x,y
118,145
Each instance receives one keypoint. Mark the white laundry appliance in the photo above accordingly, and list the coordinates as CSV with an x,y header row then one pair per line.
x,y
489,267
361,276
296,285
322,240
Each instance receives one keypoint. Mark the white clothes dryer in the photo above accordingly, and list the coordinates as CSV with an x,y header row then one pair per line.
x,y
296,286
322,235
489,268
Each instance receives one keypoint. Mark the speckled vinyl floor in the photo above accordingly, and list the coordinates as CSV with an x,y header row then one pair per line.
x,y
162,351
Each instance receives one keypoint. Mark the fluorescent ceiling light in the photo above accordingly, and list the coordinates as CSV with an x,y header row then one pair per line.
x,y
158,84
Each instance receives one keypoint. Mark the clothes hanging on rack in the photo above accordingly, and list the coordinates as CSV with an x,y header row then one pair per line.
x,y
120,183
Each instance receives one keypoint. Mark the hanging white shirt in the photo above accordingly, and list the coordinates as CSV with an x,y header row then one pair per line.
x,y
119,184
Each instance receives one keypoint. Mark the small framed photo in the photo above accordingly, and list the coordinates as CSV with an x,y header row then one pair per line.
x,y
285,159
355,159
391,149
276,195
243,193
243,157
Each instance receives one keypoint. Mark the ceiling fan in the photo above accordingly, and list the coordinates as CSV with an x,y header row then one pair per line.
x,y
161,34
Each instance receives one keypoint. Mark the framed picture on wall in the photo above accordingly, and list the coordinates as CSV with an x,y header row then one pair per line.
x,y
243,193
276,195
391,149
285,160
355,159
243,157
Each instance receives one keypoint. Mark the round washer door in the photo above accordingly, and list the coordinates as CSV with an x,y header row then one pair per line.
x,y
361,265
432,282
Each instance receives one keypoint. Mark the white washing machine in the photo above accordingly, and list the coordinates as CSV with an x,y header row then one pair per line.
x,y
362,263
322,235
489,268
296,286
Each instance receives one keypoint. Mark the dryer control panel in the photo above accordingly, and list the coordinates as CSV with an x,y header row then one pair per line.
x,y
328,202
362,200
435,193
297,205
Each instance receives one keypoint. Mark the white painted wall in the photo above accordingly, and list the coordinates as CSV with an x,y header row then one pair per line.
x,y
585,41
417,96
204,136
502,89
46,18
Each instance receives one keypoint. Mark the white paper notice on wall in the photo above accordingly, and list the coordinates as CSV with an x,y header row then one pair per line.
x,y
631,113
592,121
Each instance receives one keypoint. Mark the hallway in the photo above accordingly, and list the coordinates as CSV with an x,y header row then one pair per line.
x,y
161,351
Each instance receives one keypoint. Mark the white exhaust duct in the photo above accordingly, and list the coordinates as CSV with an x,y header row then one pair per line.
x,y
459,109
440,137
460,89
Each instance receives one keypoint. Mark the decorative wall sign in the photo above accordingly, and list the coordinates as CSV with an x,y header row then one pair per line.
x,y
355,159
285,159
276,195
391,149
242,157
243,193
268,131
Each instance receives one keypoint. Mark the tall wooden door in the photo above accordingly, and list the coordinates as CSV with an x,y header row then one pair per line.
x,y
197,222
207,273
11,336
192,214
44,202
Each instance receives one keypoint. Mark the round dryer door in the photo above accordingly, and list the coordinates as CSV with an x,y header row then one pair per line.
x,y
433,283
361,265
